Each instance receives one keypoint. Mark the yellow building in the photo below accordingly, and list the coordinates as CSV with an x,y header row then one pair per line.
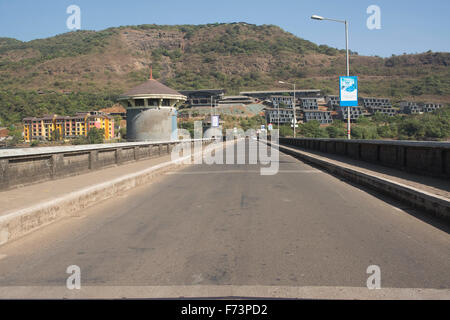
x,y
38,128
27,128
103,121
54,127
48,127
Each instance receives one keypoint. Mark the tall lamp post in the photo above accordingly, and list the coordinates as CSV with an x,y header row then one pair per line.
x,y
278,115
293,104
212,102
316,17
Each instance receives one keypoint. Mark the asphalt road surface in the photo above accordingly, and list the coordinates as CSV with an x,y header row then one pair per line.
x,y
229,225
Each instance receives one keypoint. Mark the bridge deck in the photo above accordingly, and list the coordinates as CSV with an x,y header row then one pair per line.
x,y
228,225
27,196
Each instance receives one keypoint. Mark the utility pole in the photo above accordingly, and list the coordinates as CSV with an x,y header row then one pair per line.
x,y
316,17
295,116
349,125
211,111
278,113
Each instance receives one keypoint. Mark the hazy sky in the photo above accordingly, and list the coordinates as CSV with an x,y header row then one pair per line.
x,y
406,25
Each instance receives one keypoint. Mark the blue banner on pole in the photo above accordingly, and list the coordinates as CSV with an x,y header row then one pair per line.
x,y
348,91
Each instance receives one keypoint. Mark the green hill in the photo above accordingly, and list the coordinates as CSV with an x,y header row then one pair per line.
x,y
87,69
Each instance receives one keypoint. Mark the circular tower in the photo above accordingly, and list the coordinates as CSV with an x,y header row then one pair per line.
x,y
151,111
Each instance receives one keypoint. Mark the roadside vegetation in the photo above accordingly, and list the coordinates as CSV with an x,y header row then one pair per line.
x,y
16,105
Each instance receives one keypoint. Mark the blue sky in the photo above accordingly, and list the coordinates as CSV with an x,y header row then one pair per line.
x,y
406,25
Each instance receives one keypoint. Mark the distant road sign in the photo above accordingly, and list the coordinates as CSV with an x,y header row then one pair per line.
x,y
348,91
270,128
215,121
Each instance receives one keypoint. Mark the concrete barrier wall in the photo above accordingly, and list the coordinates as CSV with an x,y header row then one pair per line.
x,y
19,167
436,205
425,158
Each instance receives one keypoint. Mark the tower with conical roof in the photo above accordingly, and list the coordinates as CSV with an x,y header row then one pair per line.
x,y
151,111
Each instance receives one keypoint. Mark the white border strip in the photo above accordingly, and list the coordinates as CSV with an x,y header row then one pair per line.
x,y
226,291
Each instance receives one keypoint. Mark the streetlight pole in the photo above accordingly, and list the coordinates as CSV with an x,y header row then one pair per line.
x,y
316,17
213,113
349,124
293,105
346,48
295,116
278,113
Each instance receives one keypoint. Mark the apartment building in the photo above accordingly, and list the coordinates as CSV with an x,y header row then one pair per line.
x,y
309,104
378,105
282,100
430,107
51,127
286,115
323,117
355,113
202,98
410,107
332,102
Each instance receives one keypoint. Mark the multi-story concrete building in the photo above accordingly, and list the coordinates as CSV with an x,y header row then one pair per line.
x,y
383,110
375,102
332,102
430,107
100,120
286,115
410,107
378,105
355,113
38,128
323,117
282,100
52,127
202,98
309,104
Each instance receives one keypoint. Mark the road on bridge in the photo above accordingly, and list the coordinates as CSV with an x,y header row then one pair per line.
x,y
229,225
